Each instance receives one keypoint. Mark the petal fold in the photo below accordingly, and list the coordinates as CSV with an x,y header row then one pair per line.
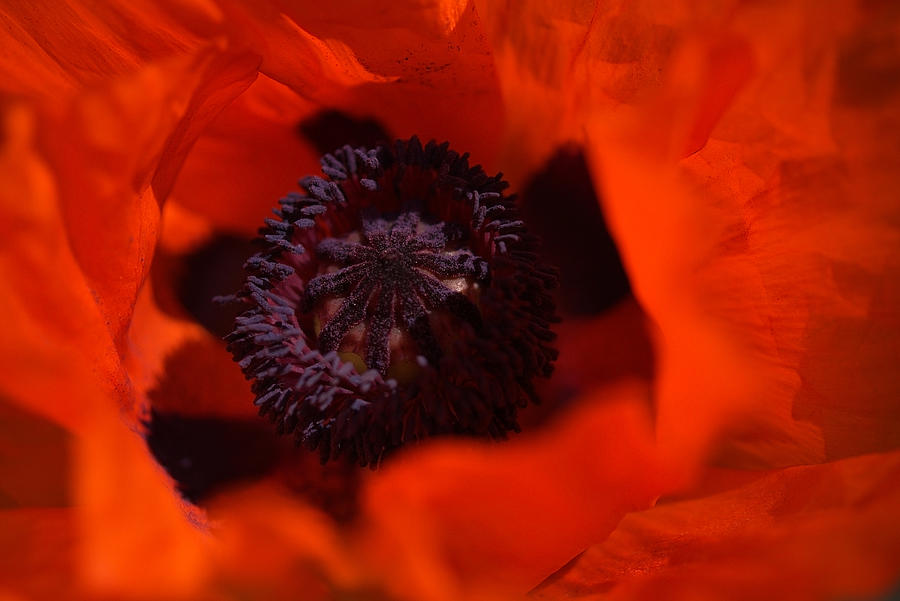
x,y
806,533
418,67
459,517
112,144
767,258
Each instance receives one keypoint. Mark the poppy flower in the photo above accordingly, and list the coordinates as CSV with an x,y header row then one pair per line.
x,y
722,420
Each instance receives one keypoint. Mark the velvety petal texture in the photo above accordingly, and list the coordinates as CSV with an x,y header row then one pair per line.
x,y
421,67
813,532
726,428
487,518
53,50
776,237
86,396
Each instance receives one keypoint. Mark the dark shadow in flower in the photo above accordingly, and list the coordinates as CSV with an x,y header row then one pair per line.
x,y
331,129
197,431
189,283
603,336
560,205
205,454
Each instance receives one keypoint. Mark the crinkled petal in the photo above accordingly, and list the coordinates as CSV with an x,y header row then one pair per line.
x,y
807,533
533,48
419,67
767,257
112,144
60,362
176,365
315,66
53,325
458,517
54,49
561,62
123,93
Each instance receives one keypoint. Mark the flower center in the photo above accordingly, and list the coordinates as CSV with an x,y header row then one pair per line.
x,y
399,297
380,293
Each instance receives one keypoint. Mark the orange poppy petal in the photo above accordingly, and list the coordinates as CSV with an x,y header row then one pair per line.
x,y
38,547
767,257
297,550
52,50
569,70
155,74
177,367
112,481
34,460
116,140
127,511
317,67
250,156
849,383
533,48
821,532
175,364
420,68
41,279
559,63
459,516
106,150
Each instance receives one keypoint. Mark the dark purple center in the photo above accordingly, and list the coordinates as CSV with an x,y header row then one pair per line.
x,y
391,277
399,297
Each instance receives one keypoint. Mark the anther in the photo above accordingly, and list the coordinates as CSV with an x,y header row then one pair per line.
x,y
399,297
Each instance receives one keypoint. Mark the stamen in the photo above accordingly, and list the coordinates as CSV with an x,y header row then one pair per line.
x,y
400,297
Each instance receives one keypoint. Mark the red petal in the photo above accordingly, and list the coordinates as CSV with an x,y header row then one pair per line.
x,y
177,367
250,156
127,512
809,533
112,143
296,551
767,258
38,549
53,50
475,515
34,460
53,326
420,68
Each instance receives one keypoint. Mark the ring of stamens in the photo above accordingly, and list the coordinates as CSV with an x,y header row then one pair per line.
x,y
403,254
